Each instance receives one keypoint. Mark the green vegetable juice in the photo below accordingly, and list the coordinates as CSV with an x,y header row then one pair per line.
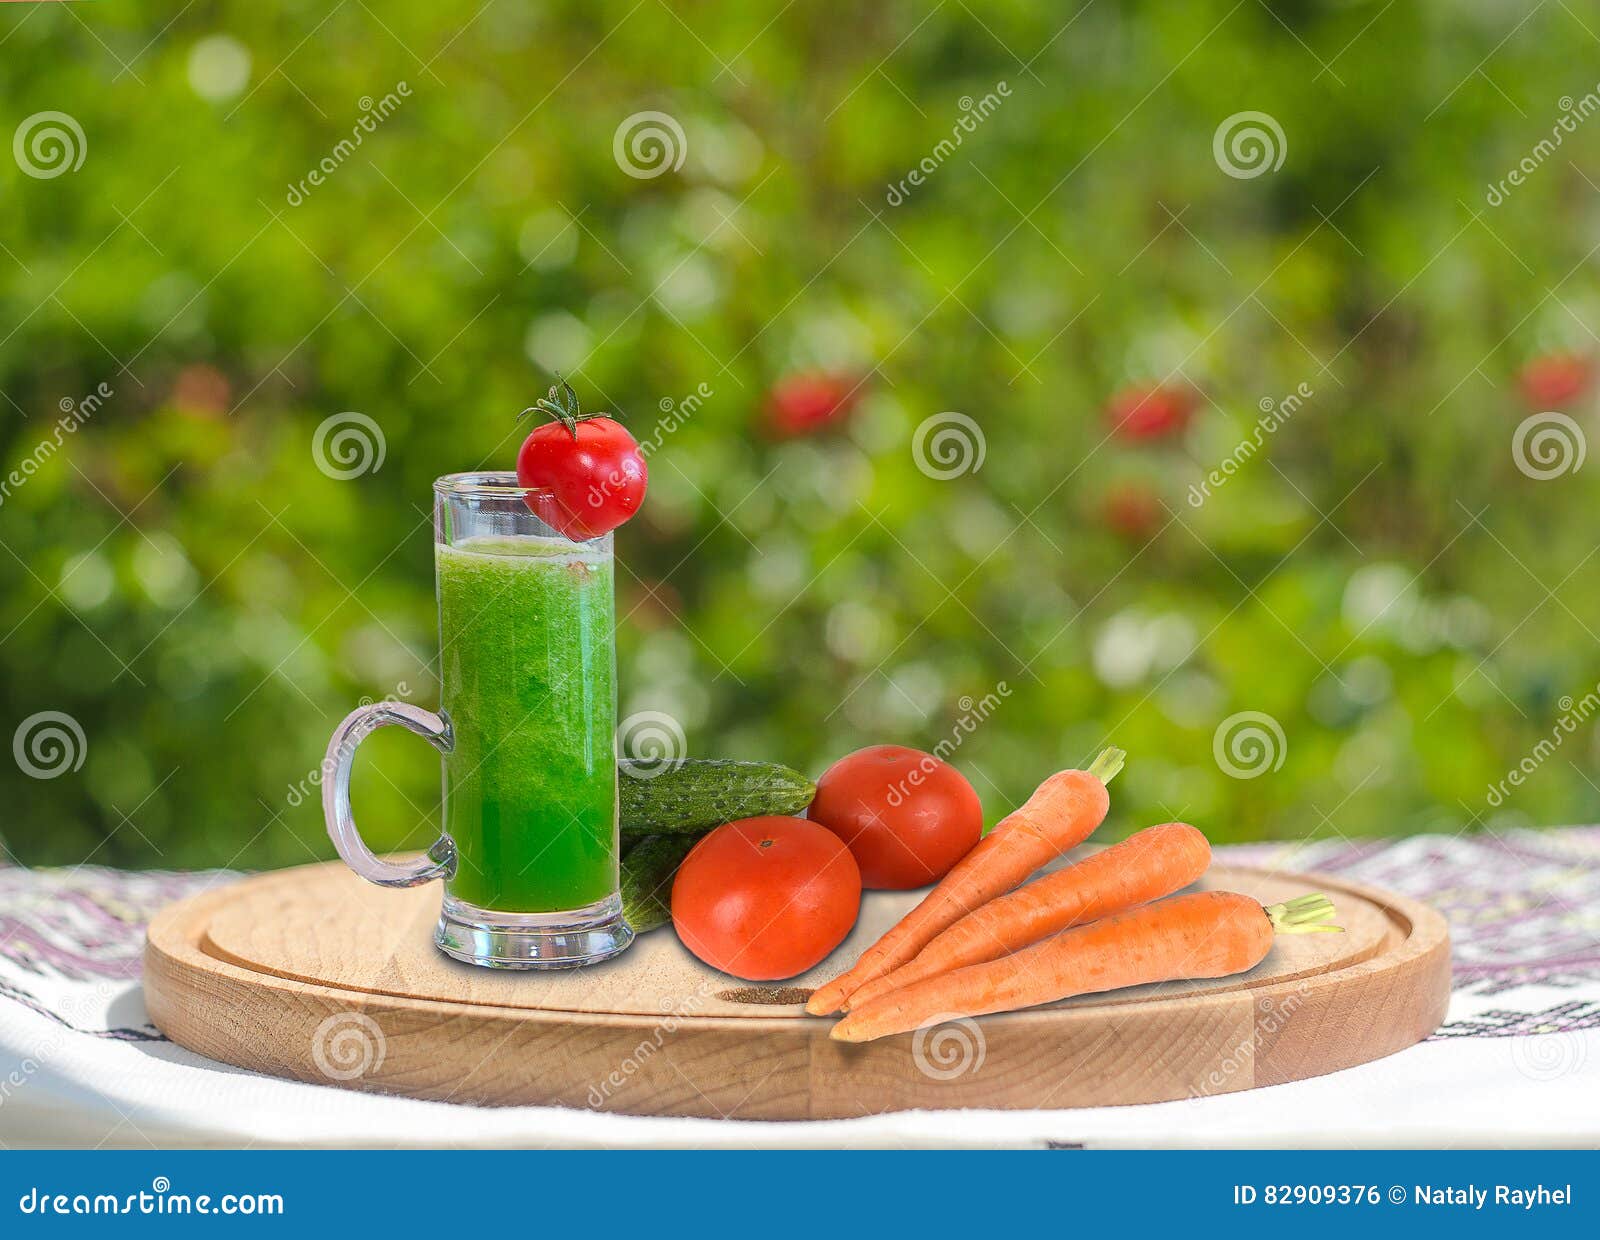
x,y
529,673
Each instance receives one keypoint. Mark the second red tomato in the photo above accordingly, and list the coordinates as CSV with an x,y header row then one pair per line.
x,y
907,816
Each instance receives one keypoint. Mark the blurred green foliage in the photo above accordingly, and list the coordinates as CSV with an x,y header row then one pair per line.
x,y
1380,579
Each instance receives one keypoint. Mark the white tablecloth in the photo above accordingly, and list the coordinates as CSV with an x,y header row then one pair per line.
x,y
1516,1063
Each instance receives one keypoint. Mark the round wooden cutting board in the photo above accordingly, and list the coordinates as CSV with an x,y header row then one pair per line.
x,y
313,974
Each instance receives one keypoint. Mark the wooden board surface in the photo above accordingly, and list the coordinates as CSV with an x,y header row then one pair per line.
x,y
313,974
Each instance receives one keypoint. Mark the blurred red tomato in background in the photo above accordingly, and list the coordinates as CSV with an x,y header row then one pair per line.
x,y
1151,411
802,404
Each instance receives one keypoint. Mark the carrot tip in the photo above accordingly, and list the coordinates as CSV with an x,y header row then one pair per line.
x,y
1306,914
1105,767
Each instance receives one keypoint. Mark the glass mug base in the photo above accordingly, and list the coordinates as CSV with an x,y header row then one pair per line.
x,y
565,940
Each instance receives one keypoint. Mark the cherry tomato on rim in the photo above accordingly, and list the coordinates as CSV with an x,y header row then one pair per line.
x,y
588,470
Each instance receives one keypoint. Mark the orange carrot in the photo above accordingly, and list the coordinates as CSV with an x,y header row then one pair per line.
x,y
1147,865
1212,934
1060,815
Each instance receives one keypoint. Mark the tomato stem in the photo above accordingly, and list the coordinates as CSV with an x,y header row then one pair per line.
x,y
562,405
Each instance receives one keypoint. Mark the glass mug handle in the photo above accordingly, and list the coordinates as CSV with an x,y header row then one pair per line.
x,y
440,860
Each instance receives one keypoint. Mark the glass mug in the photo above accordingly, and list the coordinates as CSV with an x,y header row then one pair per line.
x,y
527,726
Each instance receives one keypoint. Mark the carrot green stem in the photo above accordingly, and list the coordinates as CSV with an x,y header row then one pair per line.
x,y
1105,767
1303,915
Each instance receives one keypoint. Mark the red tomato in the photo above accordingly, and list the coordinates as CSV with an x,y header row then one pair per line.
x,y
594,480
1150,411
907,816
1133,511
766,898
202,389
800,404
1555,379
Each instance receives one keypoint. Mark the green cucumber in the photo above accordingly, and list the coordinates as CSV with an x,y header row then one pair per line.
x,y
694,795
648,867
